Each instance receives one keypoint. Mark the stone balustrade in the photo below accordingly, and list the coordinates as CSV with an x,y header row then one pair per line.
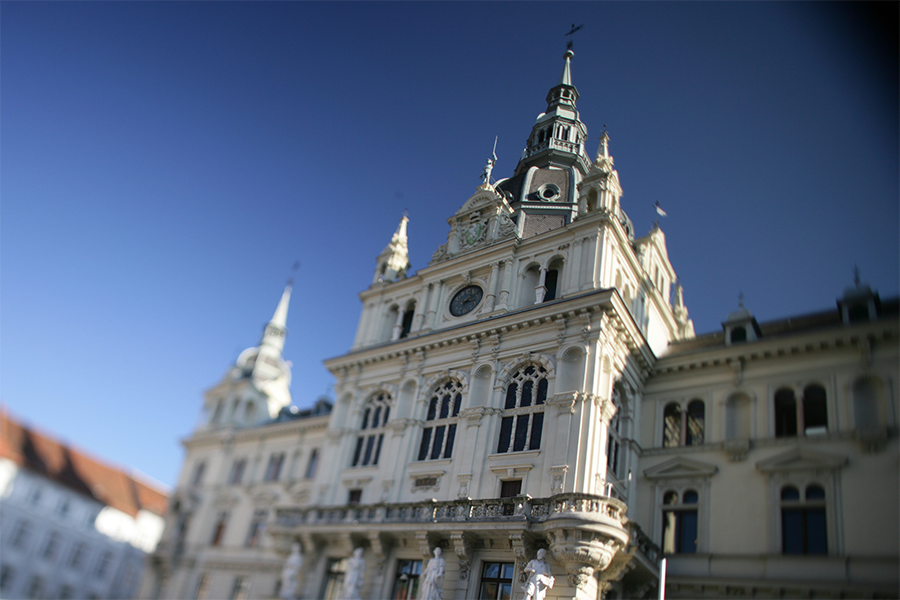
x,y
521,508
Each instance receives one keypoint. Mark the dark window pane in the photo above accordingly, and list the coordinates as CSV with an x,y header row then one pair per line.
x,y
378,449
510,488
815,417
816,542
387,413
359,444
506,571
511,395
690,497
370,443
451,435
445,406
365,423
537,424
491,570
550,283
505,433
670,498
790,493
785,413
432,408
376,416
792,531
438,441
457,402
526,393
687,538
423,448
521,433
542,391
815,492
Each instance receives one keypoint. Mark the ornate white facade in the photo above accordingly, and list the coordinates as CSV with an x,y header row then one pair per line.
x,y
539,385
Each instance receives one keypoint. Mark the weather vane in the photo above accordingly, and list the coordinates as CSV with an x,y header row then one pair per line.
x,y
571,35
294,270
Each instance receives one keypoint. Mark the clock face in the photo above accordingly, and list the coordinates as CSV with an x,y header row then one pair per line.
x,y
465,300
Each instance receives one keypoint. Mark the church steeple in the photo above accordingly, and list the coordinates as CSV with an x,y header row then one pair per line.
x,y
272,342
393,262
557,138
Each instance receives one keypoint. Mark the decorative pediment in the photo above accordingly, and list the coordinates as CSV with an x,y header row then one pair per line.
x,y
681,468
801,459
482,199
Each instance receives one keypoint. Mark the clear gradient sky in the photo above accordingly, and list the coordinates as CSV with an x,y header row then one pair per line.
x,y
165,164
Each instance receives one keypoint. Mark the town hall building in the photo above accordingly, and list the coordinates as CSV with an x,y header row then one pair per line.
x,y
539,386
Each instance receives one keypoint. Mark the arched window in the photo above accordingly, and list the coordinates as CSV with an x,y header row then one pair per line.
x,y
679,530
551,281
785,413
695,423
809,415
684,426
406,323
375,417
815,410
803,523
672,425
440,431
523,411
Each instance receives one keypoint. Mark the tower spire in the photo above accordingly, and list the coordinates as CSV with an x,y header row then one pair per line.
x,y
557,138
393,262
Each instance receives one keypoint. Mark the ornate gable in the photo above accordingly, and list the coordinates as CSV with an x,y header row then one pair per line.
x,y
484,219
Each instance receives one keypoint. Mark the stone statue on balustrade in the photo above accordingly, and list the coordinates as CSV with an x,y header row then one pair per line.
x,y
289,573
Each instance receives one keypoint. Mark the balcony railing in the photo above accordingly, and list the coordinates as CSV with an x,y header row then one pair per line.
x,y
521,508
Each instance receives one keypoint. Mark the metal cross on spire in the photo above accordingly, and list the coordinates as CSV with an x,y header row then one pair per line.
x,y
571,34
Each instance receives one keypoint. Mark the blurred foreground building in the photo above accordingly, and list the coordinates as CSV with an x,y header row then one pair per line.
x,y
539,385
70,526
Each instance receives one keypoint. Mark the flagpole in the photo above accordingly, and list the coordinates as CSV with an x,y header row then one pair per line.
x,y
662,579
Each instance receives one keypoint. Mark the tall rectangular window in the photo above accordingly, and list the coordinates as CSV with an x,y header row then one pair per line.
x,y
496,581
313,463
406,579
803,523
522,420
273,470
237,471
680,523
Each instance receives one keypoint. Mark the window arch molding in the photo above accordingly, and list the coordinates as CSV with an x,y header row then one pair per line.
x,y
508,369
429,386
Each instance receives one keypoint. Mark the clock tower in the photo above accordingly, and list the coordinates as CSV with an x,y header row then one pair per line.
x,y
511,364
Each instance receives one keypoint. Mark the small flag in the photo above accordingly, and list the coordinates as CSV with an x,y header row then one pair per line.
x,y
659,210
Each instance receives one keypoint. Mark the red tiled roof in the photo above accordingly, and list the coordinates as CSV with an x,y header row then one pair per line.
x,y
74,469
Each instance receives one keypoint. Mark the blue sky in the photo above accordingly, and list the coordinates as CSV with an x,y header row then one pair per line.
x,y
165,164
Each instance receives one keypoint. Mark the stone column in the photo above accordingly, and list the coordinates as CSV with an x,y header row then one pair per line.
x,y
541,290
507,283
492,289
398,326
